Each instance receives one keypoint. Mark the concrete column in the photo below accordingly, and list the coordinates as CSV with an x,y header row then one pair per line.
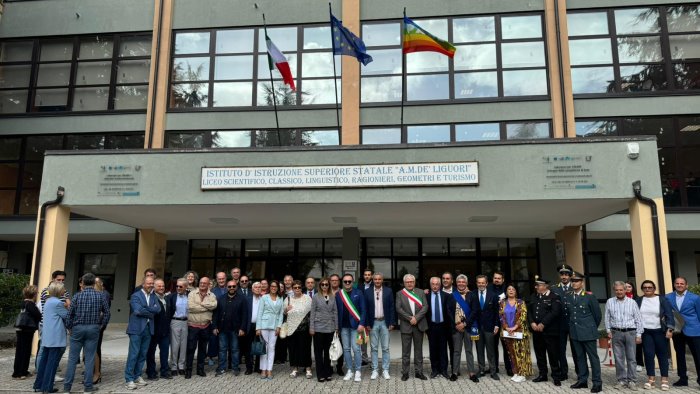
x,y
151,253
53,248
561,93
351,79
351,247
643,245
570,236
158,76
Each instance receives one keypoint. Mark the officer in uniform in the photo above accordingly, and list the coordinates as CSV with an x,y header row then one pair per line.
x,y
544,324
584,318
562,288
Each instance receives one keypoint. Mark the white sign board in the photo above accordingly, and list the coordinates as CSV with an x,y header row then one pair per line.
x,y
464,173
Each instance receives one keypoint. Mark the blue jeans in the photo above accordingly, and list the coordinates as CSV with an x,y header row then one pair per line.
x,y
348,337
83,337
228,341
654,343
379,335
163,344
138,346
46,371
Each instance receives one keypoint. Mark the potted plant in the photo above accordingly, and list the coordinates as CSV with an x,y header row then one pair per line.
x,y
603,340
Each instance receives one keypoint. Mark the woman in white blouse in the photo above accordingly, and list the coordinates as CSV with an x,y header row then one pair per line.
x,y
297,310
658,323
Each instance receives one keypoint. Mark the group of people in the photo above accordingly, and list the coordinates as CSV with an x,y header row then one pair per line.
x,y
223,320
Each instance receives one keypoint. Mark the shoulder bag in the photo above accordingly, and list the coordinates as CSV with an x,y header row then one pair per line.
x,y
258,347
25,321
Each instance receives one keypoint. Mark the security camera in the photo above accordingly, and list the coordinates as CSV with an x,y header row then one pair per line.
x,y
633,150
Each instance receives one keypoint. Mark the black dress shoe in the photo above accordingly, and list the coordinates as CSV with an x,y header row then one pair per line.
x,y
188,374
151,378
404,377
248,372
509,373
597,389
557,382
445,375
495,377
579,385
339,371
474,379
482,373
201,373
166,376
540,379
432,375
453,378
182,373
681,383
565,377
420,376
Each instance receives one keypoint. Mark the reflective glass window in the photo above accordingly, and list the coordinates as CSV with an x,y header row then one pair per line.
x,y
381,136
477,132
529,130
425,134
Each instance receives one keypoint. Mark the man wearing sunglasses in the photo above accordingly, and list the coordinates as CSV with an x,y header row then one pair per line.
x,y
176,306
230,322
351,320
379,300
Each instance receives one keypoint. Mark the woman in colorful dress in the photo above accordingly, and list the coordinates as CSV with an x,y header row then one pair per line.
x,y
513,315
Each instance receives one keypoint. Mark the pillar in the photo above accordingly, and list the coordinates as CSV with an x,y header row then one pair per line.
x,y
350,81
570,237
158,87
559,69
151,253
351,250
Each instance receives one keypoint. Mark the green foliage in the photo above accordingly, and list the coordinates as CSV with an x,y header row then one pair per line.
x,y
695,289
11,286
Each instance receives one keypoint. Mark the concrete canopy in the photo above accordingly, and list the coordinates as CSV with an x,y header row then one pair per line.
x,y
513,197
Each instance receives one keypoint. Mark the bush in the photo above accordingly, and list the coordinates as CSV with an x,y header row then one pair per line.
x,y
11,286
695,289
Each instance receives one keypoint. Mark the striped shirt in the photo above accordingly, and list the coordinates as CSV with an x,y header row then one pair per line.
x,y
623,314
88,307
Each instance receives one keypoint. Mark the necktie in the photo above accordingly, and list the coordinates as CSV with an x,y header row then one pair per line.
x,y
481,300
245,291
437,313
311,294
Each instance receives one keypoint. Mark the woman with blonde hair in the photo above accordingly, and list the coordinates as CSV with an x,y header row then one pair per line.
x,y
25,333
53,337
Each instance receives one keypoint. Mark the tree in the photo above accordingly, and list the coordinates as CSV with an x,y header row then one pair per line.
x,y
11,296
191,94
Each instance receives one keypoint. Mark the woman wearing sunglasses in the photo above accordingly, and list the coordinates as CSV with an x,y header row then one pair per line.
x,y
269,321
657,319
324,323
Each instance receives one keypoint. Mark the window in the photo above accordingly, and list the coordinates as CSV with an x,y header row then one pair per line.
x,y
22,163
250,138
497,56
679,151
462,132
227,68
632,50
597,275
75,74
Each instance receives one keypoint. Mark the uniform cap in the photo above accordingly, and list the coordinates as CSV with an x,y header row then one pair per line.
x,y
565,269
578,276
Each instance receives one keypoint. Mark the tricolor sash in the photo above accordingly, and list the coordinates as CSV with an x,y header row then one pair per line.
x,y
413,298
352,309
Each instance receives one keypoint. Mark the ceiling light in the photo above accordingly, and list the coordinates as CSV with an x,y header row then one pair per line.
x,y
691,127
344,219
224,220
482,219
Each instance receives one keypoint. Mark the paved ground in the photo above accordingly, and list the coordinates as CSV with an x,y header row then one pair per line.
x,y
115,347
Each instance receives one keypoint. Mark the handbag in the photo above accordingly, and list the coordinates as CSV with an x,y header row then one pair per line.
x,y
25,321
284,330
336,349
258,347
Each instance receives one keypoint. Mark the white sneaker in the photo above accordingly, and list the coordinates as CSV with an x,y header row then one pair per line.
x,y
358,376
348,375
140,382
632,386
131,386
386,376
375,375
520,379
58,379
639,368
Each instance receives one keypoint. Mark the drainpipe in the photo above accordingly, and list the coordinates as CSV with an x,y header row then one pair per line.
x,y
637,188
60,192
152,121
561,69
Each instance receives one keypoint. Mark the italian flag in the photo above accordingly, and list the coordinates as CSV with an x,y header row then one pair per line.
x,y
277,59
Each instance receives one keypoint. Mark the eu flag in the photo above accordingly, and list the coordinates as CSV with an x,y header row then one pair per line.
x,y
346,43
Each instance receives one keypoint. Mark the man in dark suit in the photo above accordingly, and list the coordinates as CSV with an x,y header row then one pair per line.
x,y
160,337
489,325
381,318
584,318
498,286
144,307
437,329
563,288
461,321
230,321
411,306
544,324
310,284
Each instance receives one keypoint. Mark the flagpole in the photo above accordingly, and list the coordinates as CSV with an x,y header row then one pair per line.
x,y
403,68
335,76
272,86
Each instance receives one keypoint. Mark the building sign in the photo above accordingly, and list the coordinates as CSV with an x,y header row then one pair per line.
x,y
364,175
568,172
119,180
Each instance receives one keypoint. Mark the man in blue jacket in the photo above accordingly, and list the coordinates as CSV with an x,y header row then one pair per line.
x,y
351,320
688,305
161,336
144,306
381,319
230,323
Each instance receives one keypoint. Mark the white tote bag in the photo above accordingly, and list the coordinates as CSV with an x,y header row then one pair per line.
x,y
336,350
